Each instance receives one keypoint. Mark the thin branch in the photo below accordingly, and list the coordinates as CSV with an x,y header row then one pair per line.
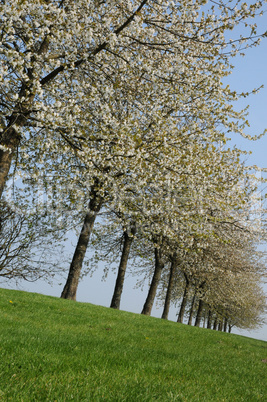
x,y
101,47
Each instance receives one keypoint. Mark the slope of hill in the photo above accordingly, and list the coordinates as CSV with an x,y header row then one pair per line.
x,y
58,350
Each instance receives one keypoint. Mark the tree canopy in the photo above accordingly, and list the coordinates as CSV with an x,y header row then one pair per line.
x,y
120,108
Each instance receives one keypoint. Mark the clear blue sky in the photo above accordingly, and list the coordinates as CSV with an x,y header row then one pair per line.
x,y
250,72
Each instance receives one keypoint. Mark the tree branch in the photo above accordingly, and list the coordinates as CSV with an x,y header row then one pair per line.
x,y
102,46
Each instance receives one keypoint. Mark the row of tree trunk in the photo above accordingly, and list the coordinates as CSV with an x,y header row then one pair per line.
x,y
197,309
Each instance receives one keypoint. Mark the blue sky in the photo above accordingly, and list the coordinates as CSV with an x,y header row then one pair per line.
x,y
250,72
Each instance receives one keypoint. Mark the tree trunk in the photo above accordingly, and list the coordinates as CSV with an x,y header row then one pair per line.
x,y
9,137
167,303
11,142
220,327
204,318
128,239
70,288
184,301
225,324
199,313
215,323
209,320
190,319
159,264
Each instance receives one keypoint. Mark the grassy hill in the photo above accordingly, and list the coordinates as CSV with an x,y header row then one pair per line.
x,y
58,350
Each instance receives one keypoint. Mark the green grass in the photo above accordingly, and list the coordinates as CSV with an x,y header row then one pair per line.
x,y
58,350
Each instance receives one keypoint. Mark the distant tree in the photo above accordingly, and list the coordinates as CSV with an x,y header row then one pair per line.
x,y
184,299
160,261
128,237
174,261
27,249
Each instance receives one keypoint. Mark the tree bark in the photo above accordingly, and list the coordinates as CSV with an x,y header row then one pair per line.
x,y
11,142
167,303
184,301
70,288
215,323
220,326
204,318
209,320
159,264
225,324
199,313
9,137
128,239
190,319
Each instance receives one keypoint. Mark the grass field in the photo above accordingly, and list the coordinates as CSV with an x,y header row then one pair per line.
x,y
58,350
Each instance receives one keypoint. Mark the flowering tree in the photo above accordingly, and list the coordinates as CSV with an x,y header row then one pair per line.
x,y
56,54
120,83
